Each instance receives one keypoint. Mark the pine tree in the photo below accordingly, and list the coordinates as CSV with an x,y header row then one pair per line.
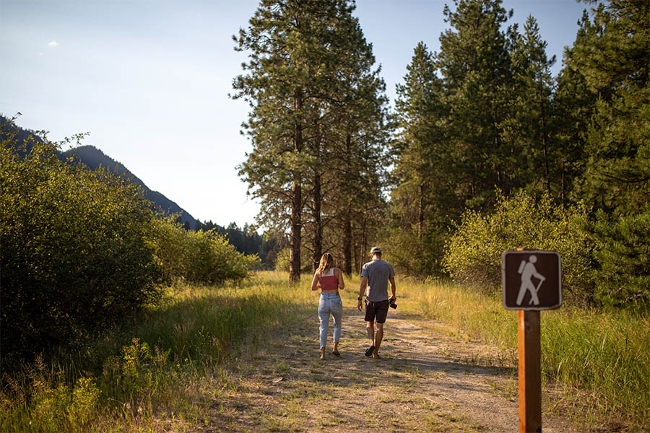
x,y
573,106
614,62
420,201
356,204
527,131
475,66
611,62
308,64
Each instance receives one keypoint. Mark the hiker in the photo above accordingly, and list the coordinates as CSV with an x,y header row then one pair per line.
x,y
528,270
329,280
375,276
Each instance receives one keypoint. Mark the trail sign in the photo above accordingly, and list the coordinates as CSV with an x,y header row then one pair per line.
x,y
531,280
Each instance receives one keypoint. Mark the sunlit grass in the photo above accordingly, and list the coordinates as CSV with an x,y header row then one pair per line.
x,y
164,372
144,376
603,356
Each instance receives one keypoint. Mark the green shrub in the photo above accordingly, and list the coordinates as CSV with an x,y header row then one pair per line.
x,y
167,239
74,253
203,257
622,274
282,260
213,260
474,251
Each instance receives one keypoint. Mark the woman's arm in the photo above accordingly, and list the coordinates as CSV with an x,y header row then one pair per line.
x,y
315,281
340,277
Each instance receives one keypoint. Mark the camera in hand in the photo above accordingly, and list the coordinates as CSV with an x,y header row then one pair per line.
x,y
391,303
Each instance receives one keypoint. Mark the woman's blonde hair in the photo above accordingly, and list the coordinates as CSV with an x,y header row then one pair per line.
x,y
326,262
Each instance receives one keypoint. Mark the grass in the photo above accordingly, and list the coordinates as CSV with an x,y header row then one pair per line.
x,y
603,354
164,372
600,360
149,374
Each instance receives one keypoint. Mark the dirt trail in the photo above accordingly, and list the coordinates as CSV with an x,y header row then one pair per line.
x,y
428,380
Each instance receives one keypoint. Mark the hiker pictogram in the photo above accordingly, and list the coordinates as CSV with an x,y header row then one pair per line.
x,y
531,280
528,272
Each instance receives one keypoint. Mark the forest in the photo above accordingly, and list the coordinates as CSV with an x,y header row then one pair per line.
x,y
484,151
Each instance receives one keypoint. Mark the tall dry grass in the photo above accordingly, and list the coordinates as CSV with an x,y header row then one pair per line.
x,y
153,374
602,357
161,373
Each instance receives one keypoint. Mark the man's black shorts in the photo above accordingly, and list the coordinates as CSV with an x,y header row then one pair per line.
x,y
376,310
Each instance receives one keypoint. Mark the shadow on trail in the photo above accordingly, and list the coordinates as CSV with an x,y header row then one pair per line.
x,y
426,380
406,348
422,377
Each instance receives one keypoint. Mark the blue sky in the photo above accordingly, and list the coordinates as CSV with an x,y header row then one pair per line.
x,y
149,79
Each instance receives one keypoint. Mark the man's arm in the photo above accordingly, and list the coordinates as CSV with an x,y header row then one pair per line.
x,y
362,291
392,286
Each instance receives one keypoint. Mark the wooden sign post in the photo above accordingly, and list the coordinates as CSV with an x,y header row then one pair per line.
x,y
531,282
530,372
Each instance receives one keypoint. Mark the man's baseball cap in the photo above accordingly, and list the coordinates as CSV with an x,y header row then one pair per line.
x,y
375,250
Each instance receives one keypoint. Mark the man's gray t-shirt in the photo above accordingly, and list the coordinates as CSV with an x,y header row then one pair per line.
x,y
378,273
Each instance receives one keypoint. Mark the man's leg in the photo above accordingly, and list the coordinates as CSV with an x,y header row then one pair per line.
x,y
382,313
378,337
370,327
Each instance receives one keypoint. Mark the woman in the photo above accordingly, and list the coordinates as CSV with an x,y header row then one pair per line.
x,y
329,279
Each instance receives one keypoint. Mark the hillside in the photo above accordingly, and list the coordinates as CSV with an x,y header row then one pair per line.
x,y
94,158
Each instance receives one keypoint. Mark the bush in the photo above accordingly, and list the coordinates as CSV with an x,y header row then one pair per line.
x,y
74,253
283,261
622,274
203,257
167,239
474,251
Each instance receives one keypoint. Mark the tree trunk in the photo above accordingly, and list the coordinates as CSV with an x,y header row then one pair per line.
x,y
347,243
547,171
347,215
296,201
420,210
317,242
363,250
296,236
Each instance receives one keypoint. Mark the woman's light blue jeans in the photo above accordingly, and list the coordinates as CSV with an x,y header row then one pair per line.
x,y
329,304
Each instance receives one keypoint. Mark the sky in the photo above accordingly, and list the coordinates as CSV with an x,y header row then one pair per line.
x,y
150,80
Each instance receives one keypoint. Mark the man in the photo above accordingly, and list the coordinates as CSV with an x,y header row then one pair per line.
x,y
375,275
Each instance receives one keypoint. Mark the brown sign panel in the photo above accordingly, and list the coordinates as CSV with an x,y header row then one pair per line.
x,y
531,280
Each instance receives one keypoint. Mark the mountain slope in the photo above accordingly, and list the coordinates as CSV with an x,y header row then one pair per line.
x,y
94,158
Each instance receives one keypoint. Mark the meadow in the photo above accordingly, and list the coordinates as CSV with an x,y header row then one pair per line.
x,y
161,372
598,360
